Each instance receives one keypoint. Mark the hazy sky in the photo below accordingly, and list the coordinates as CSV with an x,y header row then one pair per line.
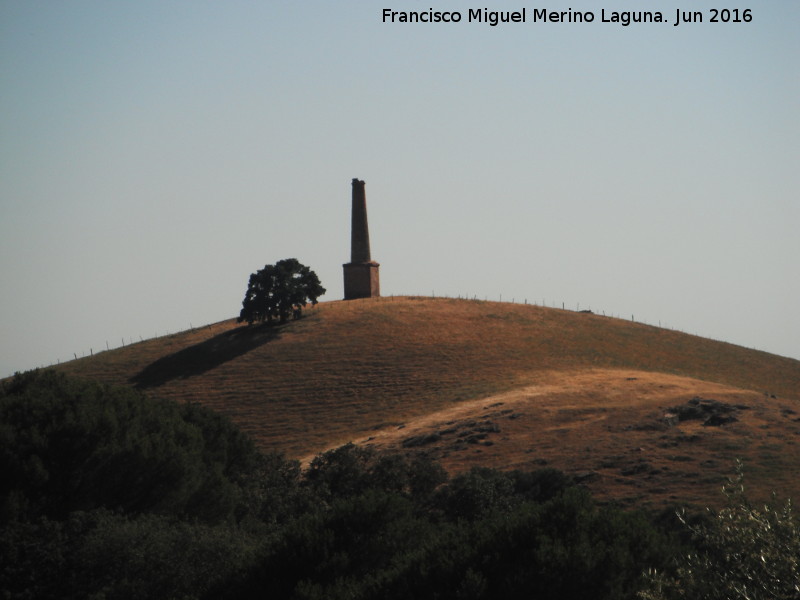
x,y
154,154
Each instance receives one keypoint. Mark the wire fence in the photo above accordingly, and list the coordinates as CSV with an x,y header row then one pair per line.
x,y
563,305
537,302
124,342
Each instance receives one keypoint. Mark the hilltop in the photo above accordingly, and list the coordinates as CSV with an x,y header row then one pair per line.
x,y
640,414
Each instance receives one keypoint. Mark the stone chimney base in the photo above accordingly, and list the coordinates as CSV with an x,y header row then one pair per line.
x,y
361,280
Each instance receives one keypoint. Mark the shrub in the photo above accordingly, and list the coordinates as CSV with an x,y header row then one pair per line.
x,y
744,552
100,554
69,445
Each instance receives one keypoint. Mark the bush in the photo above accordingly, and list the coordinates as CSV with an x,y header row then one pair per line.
x,y
100,554
351,470
744,552
69,445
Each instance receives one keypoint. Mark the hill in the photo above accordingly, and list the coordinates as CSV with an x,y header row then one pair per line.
x,y
641,414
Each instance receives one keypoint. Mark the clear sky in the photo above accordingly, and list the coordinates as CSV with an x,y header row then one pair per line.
x,y
154,154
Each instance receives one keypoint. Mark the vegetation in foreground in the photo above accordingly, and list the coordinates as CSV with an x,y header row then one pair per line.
x,y
110,494
743,552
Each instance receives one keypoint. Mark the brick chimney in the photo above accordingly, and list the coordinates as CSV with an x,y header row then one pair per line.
x,y
361,273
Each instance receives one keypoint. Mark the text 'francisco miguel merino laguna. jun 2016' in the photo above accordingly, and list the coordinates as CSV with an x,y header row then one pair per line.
x,y
543,15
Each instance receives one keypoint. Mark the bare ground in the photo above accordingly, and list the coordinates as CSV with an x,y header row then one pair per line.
x,y
614,430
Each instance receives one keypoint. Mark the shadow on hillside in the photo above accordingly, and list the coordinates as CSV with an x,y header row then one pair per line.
x,y
205,356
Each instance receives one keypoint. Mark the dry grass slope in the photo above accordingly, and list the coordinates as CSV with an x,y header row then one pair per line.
x,y
360,369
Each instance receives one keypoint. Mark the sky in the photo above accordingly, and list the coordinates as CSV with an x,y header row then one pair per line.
x,y
154,154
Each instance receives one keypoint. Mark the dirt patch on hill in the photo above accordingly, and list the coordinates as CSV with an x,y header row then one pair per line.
x,y
632,436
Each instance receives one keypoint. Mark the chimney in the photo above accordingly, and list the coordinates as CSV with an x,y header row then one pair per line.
x,y
359,229
361,273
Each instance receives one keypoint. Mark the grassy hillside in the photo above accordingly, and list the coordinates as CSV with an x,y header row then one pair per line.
x,y
371,368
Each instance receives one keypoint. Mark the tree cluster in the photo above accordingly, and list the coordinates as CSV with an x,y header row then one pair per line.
x,y
110,494
280,292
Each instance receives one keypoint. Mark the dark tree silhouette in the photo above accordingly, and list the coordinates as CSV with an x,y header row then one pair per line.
x,y
280,291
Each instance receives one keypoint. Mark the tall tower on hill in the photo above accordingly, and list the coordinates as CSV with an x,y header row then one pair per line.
x,y
361,273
